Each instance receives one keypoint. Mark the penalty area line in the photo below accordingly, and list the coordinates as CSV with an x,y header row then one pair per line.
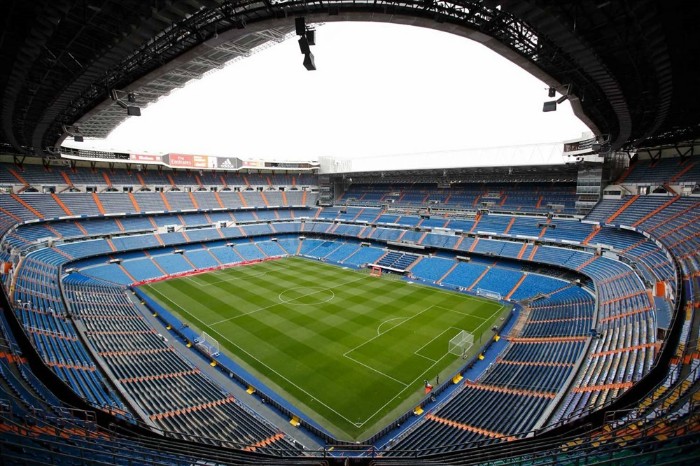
x,y
388,320
416,352
420,376
375,370
222,337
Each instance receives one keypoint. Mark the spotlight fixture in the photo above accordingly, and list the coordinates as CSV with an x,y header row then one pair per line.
x,y
74,132
551,106
304,45
52,151
307,38
602,143
309,61
131,110
118,96
300,25
311,36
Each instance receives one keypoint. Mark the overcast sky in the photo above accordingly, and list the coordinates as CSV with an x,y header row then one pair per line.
x,y
379,89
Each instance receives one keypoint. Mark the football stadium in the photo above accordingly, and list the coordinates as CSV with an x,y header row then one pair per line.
x,y
492,307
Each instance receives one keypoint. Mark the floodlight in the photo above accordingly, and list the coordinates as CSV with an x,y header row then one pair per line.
x,y
73,131
117,96
307,38
311,36
300,26
304,45
601,144
550,106
309,61
131,110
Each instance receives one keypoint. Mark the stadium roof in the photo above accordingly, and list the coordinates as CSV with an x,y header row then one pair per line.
x,y
630,64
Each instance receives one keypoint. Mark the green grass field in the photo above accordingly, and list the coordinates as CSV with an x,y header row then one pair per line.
x,y
350,350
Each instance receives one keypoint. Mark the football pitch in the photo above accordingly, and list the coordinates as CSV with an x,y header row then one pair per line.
x,y
350,350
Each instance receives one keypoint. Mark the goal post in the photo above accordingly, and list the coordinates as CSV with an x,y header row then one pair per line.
x,y
375,271
207,344
489,294
461,343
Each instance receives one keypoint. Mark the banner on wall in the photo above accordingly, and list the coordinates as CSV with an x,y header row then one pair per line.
x,y
227,163
145,158
579,146
180,160
191,161
202,161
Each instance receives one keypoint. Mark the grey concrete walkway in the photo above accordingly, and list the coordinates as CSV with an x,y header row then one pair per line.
x,y
229,385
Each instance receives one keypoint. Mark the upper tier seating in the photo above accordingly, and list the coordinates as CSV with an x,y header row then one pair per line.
x,y
534,365
513,197
29,206
37,175
666,170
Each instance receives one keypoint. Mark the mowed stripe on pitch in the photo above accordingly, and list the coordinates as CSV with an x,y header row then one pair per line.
x,y
298,346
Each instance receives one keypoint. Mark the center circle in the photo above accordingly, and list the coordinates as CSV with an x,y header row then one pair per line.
x,y
306,295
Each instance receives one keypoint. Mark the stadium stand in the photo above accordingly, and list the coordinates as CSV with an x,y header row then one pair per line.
x,y
529,198
599,256
599,363
175,395
541,357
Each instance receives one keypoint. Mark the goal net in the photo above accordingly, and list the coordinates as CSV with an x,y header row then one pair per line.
x,y
461,343
489,294
208,344
376,272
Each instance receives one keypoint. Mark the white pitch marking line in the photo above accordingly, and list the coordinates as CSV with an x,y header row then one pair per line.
x,y
415,352
425,357
226,280
268,367
232,278
462,313
421,375
452,292
286,302
388,320
375,370
357,424
432,340
291,301
392,328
